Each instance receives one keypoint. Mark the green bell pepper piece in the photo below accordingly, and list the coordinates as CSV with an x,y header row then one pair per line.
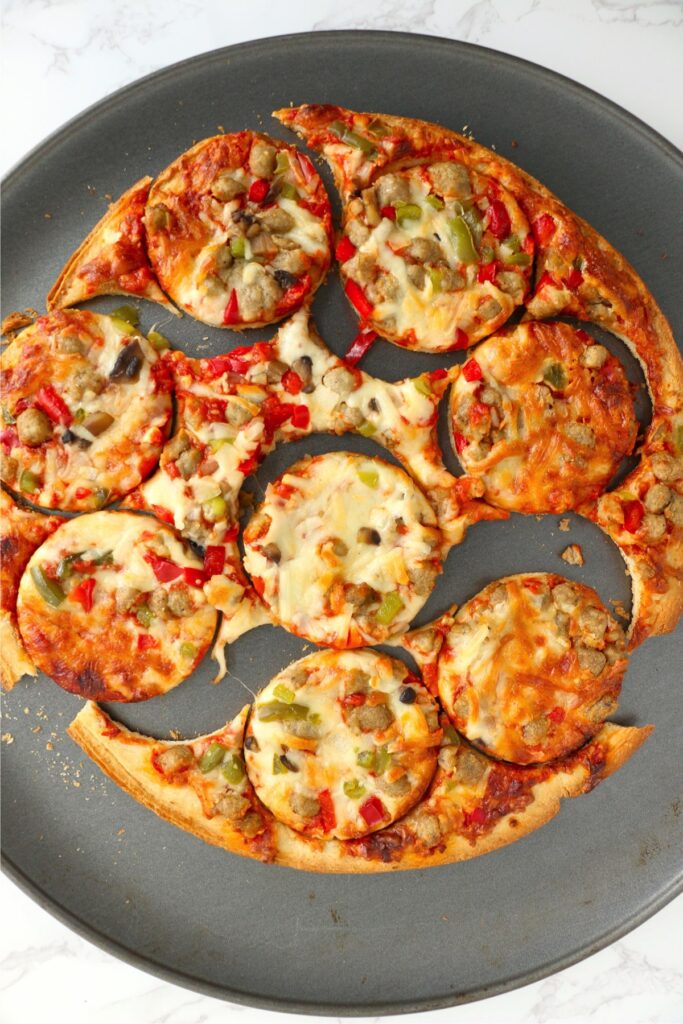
x,y
49,590
465,251
278,711
389,608
212,757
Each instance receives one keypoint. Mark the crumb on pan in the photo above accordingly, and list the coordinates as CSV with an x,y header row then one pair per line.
x,y
573,555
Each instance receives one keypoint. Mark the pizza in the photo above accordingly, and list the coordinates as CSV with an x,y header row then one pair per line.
x,y
342,743
344,550
543,415
21,532
346,760
473,804
86,407
111,607
238,230
531,667
113,258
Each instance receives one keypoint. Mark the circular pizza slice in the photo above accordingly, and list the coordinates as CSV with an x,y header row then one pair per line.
x,y
342,743
112,608
86,407
435,257
344,550
239,230
543,415
531,667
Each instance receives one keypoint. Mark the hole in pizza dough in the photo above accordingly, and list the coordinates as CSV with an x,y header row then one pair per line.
x,y
531,543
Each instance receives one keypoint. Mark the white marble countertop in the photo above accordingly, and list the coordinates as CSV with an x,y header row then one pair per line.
x,y
65,55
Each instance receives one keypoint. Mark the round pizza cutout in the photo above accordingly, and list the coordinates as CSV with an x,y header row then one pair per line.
x,y
238,230
344,550
342,743
85,405
531,667
543,416
111,607
435,257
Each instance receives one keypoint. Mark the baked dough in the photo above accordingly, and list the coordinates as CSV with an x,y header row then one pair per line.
x,y
112,607
86,406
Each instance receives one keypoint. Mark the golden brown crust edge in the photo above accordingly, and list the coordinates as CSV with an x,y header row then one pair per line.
x,y
69,289
22,531
125,764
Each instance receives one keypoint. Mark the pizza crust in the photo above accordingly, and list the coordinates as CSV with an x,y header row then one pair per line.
x,y
21,532
126,758
122,223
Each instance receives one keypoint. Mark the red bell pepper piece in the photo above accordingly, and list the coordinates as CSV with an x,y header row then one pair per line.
x,y
259,585
301,417
82,492
163,514
163,568
328,818
475,817
231,313
498,219
472,370
317,209
294,294
194,577
283,491
546,280
573,279
633,515
54,405
9,437
556,715
258,190
247,466
438,374
345,249
543,228
487,272
373,810
353,700
359,299
307,168
83,593
214,560
461,339
145,641
389,212
461,442
359,346
292,382
275,413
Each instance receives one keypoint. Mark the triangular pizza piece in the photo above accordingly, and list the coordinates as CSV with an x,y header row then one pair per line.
x,y
113,258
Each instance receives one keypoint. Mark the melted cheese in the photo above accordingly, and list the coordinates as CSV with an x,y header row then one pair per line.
x,y
335,497
509,675
553,448
127,539
326,747
431,314
114,461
